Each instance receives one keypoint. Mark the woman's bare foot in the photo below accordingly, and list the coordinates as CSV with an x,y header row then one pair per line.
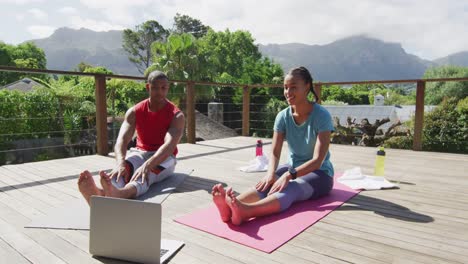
x,y
109,189
87,186
238,209
219,198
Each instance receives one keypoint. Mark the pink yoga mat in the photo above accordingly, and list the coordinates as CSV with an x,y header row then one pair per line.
x,y
270,232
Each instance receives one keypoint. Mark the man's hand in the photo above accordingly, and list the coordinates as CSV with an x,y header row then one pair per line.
x,y
265,183
280,184
120,171
142,173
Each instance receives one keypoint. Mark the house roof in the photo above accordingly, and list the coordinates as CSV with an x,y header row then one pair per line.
x,y
24,85
406,112
371,112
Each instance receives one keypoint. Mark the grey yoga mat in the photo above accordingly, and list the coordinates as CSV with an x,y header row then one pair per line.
x,y
75,215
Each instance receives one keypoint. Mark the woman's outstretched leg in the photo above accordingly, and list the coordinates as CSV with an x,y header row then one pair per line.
x,y
250,196
243,211
219,198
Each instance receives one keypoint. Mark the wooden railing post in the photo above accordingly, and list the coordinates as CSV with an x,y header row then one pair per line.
x,y
419,115
190,113
101,115
318,91
245,111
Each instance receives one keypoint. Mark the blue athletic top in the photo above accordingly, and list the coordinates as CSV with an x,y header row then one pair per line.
x,y
301,138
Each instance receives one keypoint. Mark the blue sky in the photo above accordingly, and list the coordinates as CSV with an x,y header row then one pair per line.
x,y
427,28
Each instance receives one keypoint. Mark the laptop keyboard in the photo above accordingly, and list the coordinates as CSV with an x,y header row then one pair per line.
x,y
162,252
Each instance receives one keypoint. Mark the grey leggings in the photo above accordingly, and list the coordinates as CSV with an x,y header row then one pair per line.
x,y
311,186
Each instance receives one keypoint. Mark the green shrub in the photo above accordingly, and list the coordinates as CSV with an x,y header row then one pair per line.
x,y
445,128
399,142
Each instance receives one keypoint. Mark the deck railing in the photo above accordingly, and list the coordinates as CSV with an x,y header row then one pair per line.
x,y
101,107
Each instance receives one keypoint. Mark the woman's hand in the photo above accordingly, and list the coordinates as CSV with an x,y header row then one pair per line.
x,y
280,184
265,183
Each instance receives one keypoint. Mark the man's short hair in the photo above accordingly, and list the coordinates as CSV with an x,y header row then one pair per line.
x,y
156,75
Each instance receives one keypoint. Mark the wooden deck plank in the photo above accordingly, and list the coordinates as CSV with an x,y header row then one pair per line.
x,y
436,240
404,241
352,237
28,248
62,244
9,255
423,222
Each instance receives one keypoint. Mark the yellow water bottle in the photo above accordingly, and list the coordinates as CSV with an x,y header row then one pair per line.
x,y
380,162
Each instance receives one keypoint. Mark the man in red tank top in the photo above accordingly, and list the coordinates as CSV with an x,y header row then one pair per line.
x,y
159,126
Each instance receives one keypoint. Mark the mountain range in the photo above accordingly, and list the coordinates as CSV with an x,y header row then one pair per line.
x,y
349,59
67,47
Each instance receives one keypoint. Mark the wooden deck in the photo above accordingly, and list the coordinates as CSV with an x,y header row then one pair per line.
x,y
426,221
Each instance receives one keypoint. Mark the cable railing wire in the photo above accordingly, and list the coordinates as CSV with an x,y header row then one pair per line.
x,y
48,147
38,118
50,132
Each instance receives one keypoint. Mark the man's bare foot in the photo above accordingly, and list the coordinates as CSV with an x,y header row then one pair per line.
x,y
87,186
238,209
109,188
219,198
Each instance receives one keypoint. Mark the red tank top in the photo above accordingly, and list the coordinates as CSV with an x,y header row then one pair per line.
x,y
151,127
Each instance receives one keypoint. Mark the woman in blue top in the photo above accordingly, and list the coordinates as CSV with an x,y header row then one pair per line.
x,y
306,126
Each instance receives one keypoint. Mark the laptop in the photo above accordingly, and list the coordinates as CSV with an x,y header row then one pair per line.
x,y
128,230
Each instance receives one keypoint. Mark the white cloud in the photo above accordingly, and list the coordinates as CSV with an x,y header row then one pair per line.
x,y
78,22
19,17
122,11
429,28
103,4
39,31
67,10
20,2
37,13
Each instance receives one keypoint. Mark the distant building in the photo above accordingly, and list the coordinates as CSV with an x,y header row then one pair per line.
x,y
371,112
394,112
24,85
406,112
379,100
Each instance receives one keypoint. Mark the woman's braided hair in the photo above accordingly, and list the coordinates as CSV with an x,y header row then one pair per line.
x,y
303,73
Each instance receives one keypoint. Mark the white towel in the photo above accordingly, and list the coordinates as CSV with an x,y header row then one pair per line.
x,y
260,163
354,179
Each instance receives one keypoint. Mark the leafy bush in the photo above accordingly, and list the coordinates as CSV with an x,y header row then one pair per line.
x,y
399,142
265,124
445,128
437,91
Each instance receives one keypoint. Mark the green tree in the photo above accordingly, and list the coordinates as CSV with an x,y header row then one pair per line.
x,y
26,55
178,57
6,60
82,66
230,52
187,24
181,59
397,98
227,57
446,128
137,43
363,94
236,59
437,91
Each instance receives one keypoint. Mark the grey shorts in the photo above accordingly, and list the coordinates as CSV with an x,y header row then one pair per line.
x,y
137,157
